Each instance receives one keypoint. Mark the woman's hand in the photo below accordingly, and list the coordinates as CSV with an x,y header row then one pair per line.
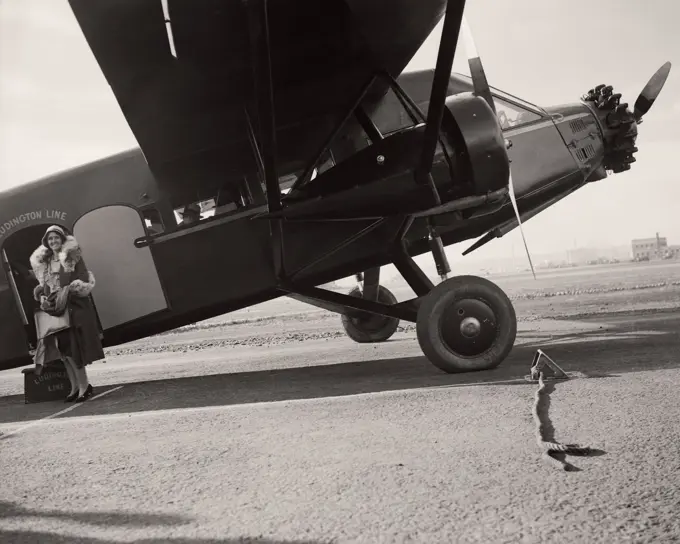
x,y
38,292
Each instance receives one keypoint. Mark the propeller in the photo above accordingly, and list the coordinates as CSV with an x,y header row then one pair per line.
x,y
479,82
651,91
481,88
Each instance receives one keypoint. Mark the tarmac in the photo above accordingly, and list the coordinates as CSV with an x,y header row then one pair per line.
x,y
330,441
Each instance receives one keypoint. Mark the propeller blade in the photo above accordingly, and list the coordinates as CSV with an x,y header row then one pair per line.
x,y
651,91
519,223
479,82
481,88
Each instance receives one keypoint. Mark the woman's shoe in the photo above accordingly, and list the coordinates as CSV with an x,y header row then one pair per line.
x,y
72,397
88,393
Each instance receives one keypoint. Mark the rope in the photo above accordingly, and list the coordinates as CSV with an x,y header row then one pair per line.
x,y
545,431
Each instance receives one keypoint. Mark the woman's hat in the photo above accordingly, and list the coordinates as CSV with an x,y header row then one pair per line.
x,y
58,230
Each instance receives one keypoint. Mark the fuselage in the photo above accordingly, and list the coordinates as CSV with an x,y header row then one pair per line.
x,y
222,263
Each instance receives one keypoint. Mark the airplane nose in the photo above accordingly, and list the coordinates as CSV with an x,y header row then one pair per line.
x,y
619,126
619,123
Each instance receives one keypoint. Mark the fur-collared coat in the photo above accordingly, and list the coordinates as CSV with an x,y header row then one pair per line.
x,y
85,341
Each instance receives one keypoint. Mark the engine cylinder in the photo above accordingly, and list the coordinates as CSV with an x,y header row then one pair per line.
x,y
618,126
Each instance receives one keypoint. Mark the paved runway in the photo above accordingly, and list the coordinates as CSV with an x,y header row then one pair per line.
x,y
333,441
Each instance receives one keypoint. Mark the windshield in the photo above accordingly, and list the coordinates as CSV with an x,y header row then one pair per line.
x,y
507,96
518,101
510,115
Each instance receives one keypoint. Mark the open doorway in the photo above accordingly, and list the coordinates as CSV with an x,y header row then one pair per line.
x,y
16,254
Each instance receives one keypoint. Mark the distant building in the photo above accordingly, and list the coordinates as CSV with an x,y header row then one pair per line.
x,y
649,249
673,252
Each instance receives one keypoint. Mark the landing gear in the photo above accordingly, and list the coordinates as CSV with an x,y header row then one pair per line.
x,y
466,323
366,327
463,324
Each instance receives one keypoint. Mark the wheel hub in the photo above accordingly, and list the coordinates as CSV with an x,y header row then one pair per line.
x,y
469,327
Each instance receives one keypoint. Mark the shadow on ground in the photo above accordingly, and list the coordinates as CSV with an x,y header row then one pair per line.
x,y
547,431
626,346
110,519
36,537
104,519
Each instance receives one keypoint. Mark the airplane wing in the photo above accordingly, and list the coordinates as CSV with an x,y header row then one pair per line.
x,y
182,72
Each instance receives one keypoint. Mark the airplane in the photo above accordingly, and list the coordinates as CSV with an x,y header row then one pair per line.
x,y
309,155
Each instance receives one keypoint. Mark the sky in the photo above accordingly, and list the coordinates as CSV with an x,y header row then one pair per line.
x,y
57,111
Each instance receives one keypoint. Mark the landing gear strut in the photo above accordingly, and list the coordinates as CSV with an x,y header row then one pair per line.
x,y
464,324
438,254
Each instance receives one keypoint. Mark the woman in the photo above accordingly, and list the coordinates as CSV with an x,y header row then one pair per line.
x,y
65,285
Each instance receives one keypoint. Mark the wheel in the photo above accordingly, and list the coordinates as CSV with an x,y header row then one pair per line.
x,y
466,324
370,327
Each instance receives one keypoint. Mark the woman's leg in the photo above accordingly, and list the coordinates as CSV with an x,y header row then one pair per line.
x,y
71,371
79,373
83,381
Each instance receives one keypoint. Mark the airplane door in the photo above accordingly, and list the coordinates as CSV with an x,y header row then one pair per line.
x,y
127,283
13,340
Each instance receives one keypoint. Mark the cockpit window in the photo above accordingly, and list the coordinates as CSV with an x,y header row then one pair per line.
x,y
390,115
511,115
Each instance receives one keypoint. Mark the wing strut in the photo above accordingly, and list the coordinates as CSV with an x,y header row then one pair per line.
x,y
264,91
440,83
453,19
355,103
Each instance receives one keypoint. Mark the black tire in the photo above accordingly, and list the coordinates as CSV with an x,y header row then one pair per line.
x,y
370,328
479,338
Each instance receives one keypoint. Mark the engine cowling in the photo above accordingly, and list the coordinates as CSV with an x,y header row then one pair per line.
x,y
476,140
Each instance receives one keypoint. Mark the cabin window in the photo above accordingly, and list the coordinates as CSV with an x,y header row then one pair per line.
x,y
194,212
153,221
511,115
390,115
287,182
326,162
233,197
